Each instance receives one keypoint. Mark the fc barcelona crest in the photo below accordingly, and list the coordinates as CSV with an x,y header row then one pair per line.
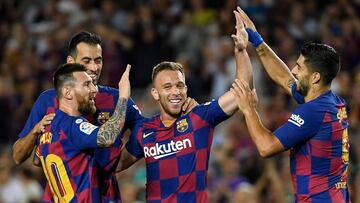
x,y
182,125
103,117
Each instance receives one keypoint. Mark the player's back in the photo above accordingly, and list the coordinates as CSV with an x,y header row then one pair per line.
x,y
69,166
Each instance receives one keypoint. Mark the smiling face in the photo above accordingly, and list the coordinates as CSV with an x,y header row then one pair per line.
x,y
302,74
89,55
170,91
84,92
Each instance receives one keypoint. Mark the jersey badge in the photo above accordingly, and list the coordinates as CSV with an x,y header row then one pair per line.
x,y
103,117
182,125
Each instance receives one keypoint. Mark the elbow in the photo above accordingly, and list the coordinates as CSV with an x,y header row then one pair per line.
x,y
266,152
16,159
107,143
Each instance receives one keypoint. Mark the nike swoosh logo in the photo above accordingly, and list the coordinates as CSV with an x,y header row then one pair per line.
x,y
145,135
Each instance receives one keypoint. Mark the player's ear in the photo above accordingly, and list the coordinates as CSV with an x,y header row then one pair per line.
x,y
316,77
155,94
70,59
66,92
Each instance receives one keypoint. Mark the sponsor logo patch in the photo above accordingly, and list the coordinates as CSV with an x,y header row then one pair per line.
x,y
87,127
296,120
163,150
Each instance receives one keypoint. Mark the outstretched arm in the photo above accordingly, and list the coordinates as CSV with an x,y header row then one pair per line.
x,y
23,147
266,142
274,66
243,65
110,130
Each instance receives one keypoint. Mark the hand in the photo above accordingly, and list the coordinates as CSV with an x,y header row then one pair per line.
x,y
241,37
246,20
188,105
46,120
245,97
124,84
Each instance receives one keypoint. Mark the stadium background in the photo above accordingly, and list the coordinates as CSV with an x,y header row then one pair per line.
x,y
33,42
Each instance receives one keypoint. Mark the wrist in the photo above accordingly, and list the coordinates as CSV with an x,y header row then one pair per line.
x,y
249,111
254,37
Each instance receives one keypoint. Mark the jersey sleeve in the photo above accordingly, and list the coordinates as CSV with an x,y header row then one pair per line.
x,y
299,98
133,146
38,111
303,124
83,134
133,114
211,112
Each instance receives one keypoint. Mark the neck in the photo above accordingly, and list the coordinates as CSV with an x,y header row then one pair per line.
x,y
315,92
166,118
68,107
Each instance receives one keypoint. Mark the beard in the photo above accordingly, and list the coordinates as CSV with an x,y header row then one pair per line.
x,y
303,88
170,111
86,107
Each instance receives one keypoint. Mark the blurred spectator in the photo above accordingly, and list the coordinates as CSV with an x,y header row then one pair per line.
x,y
197,34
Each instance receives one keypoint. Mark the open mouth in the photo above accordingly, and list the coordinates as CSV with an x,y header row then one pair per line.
x,y
92,100
93,76
175,101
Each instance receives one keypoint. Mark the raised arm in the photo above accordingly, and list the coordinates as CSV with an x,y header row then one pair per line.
x,y
110,130
243,65
274,66
266,142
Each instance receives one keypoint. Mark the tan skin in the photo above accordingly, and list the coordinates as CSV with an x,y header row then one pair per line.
x,y
265,141
91,57
170,90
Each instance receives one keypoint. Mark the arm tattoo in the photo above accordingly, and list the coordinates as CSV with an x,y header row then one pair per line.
x,y
291,82
111,129
260,51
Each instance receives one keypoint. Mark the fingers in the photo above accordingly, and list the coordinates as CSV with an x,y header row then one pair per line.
x,y
45,121
237,86
241,87
245,19
186,104
236,17
127,71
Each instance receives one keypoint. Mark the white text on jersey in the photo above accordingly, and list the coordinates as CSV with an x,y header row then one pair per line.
x,y
162,150
296,120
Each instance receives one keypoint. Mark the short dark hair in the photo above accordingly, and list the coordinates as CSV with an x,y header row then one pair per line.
x,y
84,36
64,75
321,58
166,65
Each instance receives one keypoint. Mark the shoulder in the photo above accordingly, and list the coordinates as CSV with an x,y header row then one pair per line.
x,y
48,94
107,89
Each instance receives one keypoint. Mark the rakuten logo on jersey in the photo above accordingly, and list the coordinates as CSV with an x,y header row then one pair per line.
x,y
162,150
296,120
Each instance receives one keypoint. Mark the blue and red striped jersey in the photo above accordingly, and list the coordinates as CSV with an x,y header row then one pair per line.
x,y
106,158
177,156
317,136
66,151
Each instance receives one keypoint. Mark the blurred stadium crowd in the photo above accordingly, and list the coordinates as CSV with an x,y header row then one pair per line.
x,y
196,33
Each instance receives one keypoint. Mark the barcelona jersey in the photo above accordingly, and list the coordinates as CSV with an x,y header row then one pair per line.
x,y
177,156
66,153
106,158
317,136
